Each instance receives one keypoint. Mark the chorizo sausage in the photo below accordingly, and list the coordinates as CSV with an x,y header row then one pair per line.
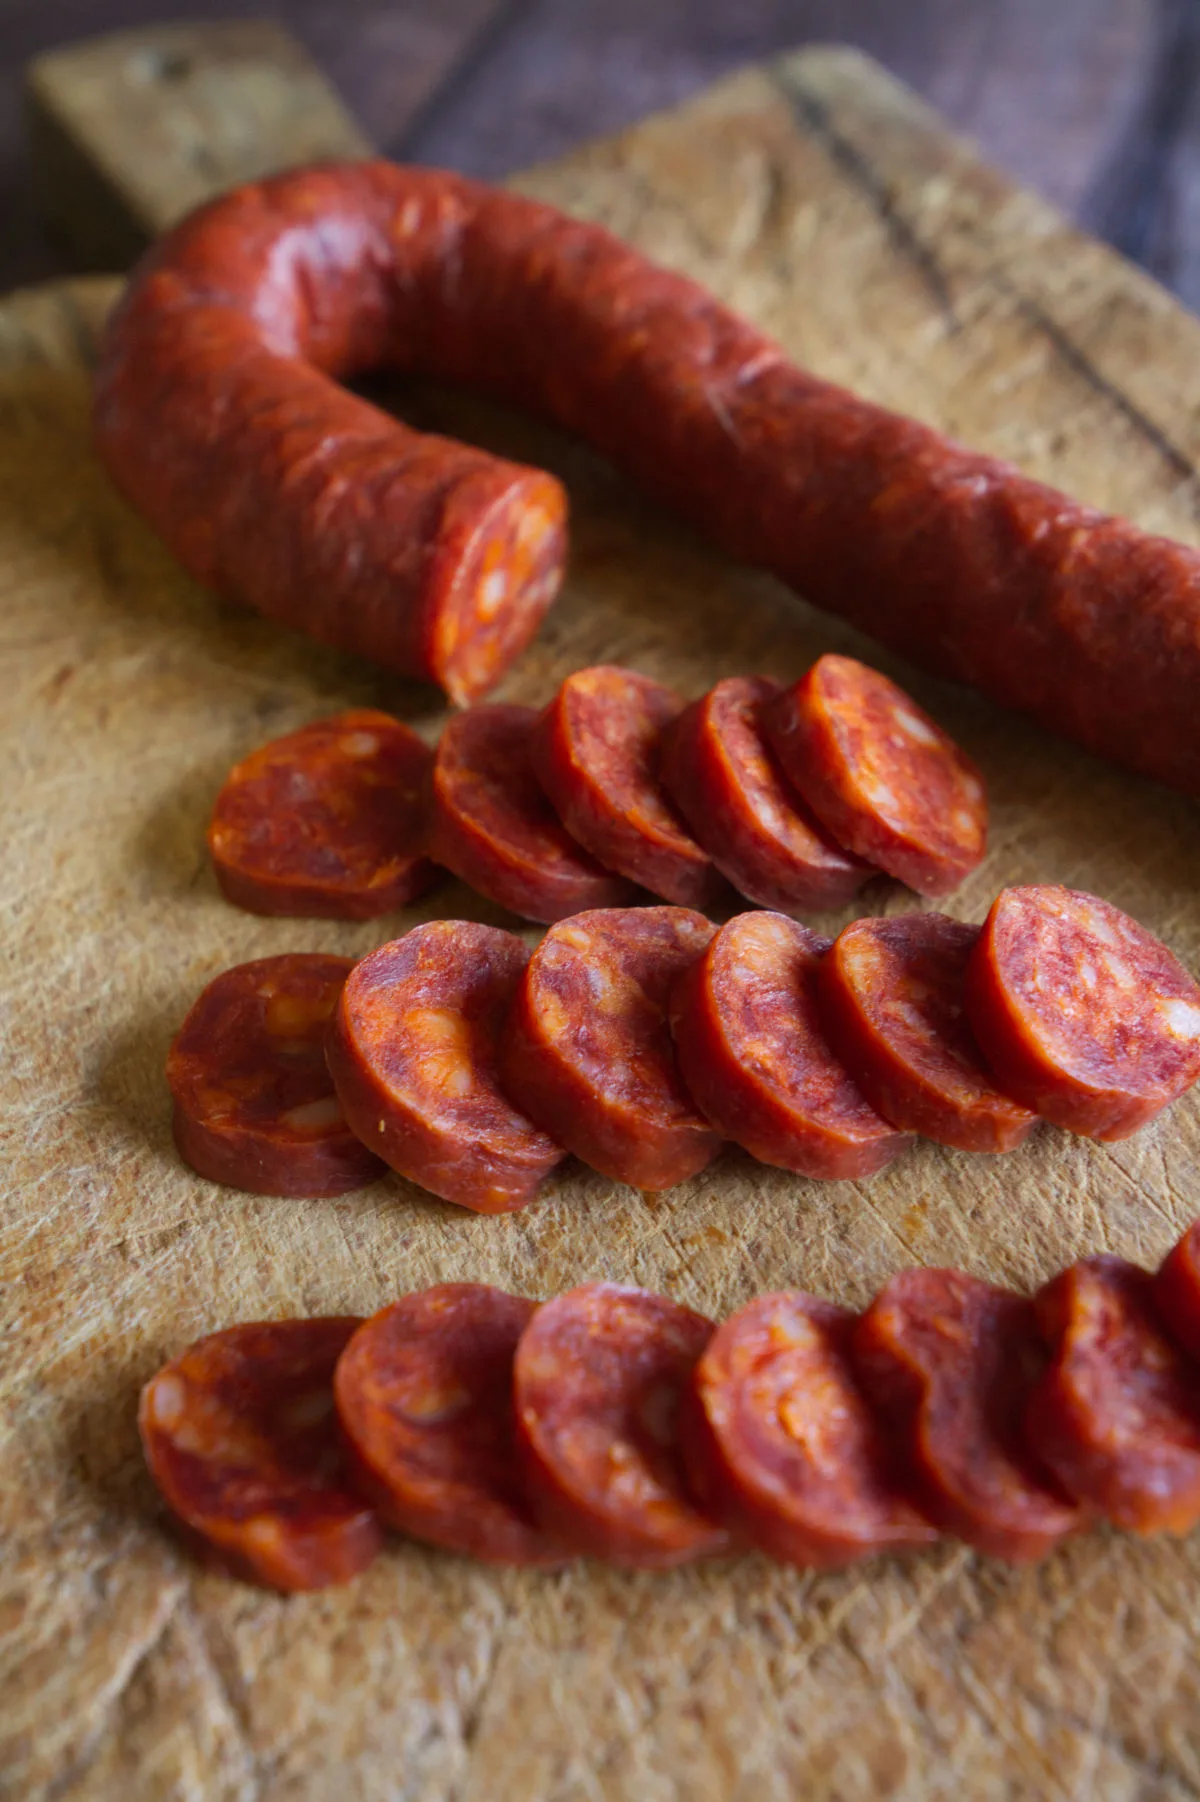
x,y
240,1436
781,1444
1080,1012
586,1049
217,412
412,1051
493,826
948,1362
424,1396
598,1379
880,775
1177,1291
755,1059
596,753
327,823
254,1106
722,774
892,997
1116,1416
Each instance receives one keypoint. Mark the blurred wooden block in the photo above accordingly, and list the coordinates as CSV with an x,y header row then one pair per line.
x,y
129,132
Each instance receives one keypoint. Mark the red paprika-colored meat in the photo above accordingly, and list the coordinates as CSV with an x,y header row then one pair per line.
x,y
598,1380
596,753
755,1059
1080,1012
424,1395
892,994
412,1053
1116,1416
781,1444
1177,1291
254,1106
493,826
241,1438
587,1052
880,775
948,1363
327,823
719,769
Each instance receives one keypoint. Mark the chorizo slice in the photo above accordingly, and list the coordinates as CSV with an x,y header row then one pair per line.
x,y
327,823
1177,1291
880,775
755,1059
254,1106
893,1002
493,826
720,770
782,1446
1116,1416
598,1380
240,1436
424,1396
596,753
1080,1012
586,1050
412,1051
948,1363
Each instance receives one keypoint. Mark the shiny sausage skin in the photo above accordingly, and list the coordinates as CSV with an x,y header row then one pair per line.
x,y
756,1061
327,823
494,828
412,1054
240,1436
880,775
719,769
1080,1013
781,1444
1177,1291
424,1396
586,1050
597,1381
218,413
254,1106
1116,1416
596,752
948,1363
892,1001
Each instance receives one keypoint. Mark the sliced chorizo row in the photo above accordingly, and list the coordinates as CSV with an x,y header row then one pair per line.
x,y
640,1039
614,1423
793,797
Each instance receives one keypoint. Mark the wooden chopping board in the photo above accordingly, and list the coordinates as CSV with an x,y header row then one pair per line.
x,y
826,203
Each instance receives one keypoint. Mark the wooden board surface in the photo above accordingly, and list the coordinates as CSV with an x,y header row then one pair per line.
x,y
823,201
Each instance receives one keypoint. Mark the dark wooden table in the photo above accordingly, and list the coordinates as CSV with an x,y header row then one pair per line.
x,y
1095,102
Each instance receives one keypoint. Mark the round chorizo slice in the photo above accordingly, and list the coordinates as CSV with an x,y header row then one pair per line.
x,y
241,1438
586,1050
893,1002
1177,1291
596,753
755,1059
598,1380
328,823
948,1363
254,1106
880,775
412,1051
424,1395
493,827
1116,1416
721,773
782,1446
1080,1012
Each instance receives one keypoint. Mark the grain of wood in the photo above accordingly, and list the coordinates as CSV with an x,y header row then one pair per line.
x,y
826,203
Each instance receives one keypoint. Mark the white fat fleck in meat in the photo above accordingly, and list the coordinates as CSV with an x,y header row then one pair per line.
x,y
914,727
1119,970
314,1116
1087,974
883,797
493,591
168,1397
964,821
1182,1018
359,744
974,788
